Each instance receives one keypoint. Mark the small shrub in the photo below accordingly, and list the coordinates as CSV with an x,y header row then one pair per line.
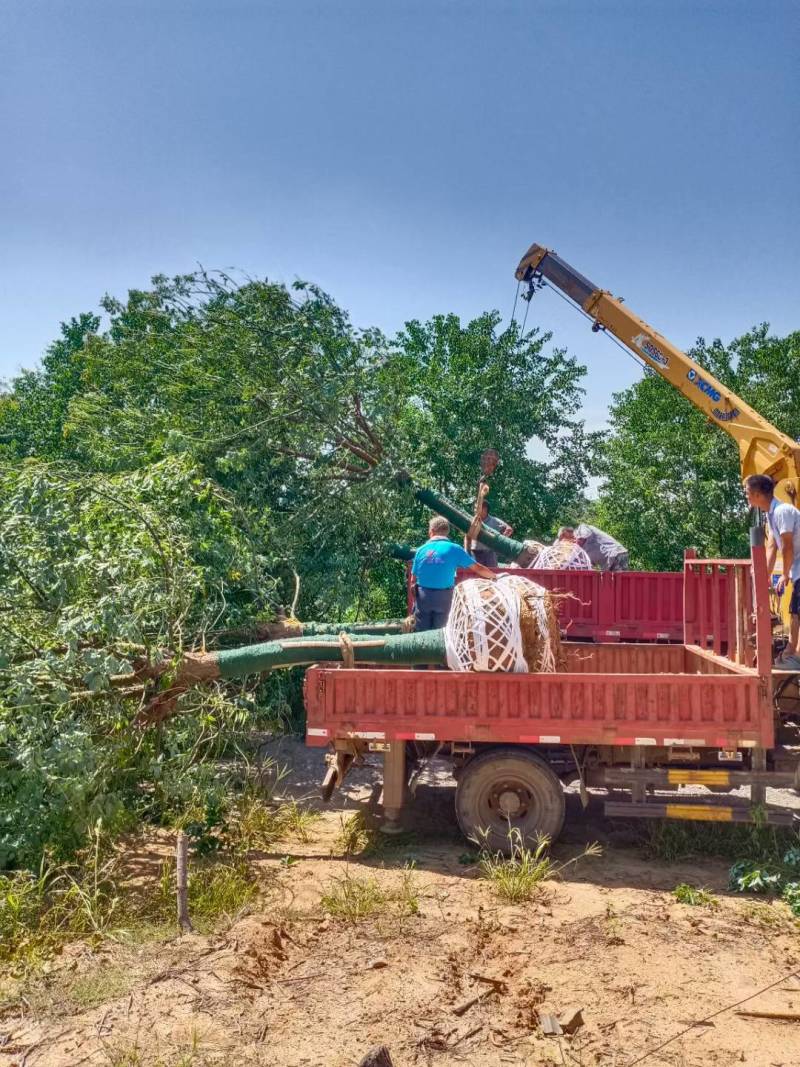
x,y
518,876
257,823
354,835
791,896
353,899
296,822
697,897
776,878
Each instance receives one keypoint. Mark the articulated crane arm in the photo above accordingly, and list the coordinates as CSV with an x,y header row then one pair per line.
x,y
762,448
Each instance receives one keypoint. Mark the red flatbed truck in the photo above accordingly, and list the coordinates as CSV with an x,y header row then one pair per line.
x,y
644,719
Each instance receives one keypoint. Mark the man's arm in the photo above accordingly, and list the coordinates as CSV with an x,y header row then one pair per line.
x,y
481,571
772,553
787,558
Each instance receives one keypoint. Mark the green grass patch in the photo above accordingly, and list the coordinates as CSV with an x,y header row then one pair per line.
x,y
357,837
670,841
353,898
256,822
517,876
697,897
91,899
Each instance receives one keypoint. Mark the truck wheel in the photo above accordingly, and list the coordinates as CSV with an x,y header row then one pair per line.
x,y
505,790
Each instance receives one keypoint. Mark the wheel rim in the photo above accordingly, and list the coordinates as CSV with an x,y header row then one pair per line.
x,y
508,802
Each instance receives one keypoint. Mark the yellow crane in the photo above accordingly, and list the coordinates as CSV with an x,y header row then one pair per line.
x,y
763,449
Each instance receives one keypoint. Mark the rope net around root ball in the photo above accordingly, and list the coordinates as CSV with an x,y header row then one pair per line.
x,y
508,625
562,556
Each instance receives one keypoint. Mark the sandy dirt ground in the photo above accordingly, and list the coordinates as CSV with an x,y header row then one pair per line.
x,y
287,985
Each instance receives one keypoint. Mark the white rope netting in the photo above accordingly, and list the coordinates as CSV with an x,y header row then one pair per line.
x,y
493,625
562,556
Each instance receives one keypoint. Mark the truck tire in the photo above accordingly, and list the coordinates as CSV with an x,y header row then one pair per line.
x,y
508,789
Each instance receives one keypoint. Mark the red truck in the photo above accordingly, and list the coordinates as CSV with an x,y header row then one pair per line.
x,y
642,719
621,606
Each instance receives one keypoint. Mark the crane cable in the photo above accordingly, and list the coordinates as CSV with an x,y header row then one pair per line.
x,y
576,307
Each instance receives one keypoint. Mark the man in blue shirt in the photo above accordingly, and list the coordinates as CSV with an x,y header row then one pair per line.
x,y
434,573
783,521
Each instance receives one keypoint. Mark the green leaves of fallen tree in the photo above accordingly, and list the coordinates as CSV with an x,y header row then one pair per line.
x,y
175,463
97,572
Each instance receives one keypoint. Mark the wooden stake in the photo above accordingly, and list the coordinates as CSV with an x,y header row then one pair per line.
x,y
784,1016
182,879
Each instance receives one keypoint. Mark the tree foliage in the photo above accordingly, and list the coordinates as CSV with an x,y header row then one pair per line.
x,y
172,467
671,476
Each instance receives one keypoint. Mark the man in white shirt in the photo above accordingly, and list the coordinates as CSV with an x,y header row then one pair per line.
x,y
783,521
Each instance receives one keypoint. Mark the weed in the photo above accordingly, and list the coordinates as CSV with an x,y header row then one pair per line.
x,y
612,926
354,835
295,821
89,898
216,891
358,838
698,897
762,914
98,985
408,894
352,899
257,823
38,912
668,841
519,875
124,1056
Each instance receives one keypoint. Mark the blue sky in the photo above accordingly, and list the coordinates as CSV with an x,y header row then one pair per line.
x,y
404,155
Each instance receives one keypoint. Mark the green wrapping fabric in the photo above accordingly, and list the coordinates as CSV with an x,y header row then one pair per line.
x,y
507,547
316,629
399,650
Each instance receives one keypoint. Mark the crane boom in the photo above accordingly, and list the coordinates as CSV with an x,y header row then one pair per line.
x,y
762,448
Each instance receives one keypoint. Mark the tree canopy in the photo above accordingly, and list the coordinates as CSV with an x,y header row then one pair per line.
x,y
171,467
671,476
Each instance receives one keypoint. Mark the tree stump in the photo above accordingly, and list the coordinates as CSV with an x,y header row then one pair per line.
x,y
377,1057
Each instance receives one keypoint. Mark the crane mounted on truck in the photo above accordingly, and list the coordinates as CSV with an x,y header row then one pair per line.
x,y
763,449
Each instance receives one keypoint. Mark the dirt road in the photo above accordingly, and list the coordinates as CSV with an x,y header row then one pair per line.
x,y
292,985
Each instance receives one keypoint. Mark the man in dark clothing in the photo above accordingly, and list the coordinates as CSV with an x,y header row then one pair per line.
x,y
601,548
481,553
434,573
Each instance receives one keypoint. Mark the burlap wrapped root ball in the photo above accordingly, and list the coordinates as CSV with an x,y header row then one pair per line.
x,y
508,625
562,556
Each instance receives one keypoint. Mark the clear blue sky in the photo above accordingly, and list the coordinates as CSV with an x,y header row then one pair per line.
x,y
404,155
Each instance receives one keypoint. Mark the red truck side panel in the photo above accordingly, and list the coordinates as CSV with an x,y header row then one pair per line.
x,y
623,606
638,706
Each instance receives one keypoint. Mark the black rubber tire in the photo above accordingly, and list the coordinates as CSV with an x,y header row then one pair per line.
x,y
527,777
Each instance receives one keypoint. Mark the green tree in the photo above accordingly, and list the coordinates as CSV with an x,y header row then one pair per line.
x,y
32,416
672,477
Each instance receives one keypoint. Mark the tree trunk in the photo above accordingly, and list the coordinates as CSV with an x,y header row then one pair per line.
x,y
507,547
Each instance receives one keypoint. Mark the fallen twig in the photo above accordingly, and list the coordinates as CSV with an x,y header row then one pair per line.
x,y
785,1016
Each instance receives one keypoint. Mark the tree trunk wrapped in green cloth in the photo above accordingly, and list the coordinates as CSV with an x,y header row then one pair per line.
x,y
284,628
523,553
507,625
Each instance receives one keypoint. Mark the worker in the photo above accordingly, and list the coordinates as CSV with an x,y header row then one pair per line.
x,y
481,553
434,574
783,521
602,549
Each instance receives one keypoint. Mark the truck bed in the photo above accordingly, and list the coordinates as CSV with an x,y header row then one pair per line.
x,y
615,694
